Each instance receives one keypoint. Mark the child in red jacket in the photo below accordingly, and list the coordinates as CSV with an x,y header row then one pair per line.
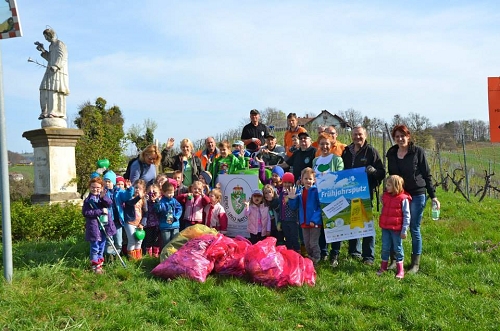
x,y
394,221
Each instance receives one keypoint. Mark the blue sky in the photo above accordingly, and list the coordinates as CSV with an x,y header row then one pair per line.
x,y
198,67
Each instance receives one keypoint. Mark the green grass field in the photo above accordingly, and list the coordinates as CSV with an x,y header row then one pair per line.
x,y
27,171
456,289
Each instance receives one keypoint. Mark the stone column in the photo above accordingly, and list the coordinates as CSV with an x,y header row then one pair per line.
x,y
54,163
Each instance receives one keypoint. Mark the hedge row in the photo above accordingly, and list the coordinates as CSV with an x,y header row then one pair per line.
x,y
52,222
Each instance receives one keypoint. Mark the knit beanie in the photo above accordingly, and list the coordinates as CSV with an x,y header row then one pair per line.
x,y
94,175
173,182
111,176
206,176
288,178
278,171
120,179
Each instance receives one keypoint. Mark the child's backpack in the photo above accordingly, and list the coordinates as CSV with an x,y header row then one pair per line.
x,y
126,175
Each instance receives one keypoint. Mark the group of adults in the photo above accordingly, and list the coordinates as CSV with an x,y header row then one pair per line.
x,y
298,152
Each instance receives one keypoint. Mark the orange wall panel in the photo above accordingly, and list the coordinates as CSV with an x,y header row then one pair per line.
x,y
494,108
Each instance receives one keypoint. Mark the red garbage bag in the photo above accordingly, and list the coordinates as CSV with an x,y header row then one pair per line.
x,y
220,248
293,268
189,261
309,272
263,263
228,255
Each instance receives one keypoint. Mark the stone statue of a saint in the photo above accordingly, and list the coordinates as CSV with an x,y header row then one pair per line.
x,y
55,83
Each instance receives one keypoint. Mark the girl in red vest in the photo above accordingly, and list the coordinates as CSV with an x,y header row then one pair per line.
x,y
394,221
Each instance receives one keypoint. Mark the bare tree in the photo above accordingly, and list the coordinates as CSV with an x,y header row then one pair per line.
x,y
270,116
397,120
352,116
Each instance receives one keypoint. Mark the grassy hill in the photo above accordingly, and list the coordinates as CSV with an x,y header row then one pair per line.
x,y
456,289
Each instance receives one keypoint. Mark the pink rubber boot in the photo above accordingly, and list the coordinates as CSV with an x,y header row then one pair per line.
x,y
383,267
400,270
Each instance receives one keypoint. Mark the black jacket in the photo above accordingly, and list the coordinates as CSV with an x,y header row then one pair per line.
x,y
413,168
175,163
366,156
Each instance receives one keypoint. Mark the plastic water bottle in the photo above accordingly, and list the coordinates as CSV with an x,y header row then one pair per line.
x,y
435,211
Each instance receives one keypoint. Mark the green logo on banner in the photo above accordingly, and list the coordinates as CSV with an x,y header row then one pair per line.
x,y
237,199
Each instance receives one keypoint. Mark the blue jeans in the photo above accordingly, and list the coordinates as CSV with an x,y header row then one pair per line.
x,y
97,248
354,248
392,240
167,235
367,245
417,205
117,241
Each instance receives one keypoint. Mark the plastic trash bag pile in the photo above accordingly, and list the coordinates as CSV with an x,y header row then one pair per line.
x,y
263,263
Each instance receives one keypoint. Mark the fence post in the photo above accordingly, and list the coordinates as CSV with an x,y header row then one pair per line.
x,y
384,148
465,168
445,185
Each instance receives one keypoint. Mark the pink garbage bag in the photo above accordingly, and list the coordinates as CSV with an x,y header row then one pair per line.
x,y
189,261
228,255
293,268
263,263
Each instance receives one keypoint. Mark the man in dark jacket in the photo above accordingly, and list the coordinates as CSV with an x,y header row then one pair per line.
x,y
301,158
254,133
361,154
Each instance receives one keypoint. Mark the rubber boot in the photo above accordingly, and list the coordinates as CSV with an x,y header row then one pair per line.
x,y
156,251
415,263
383,267
149,251
392,261
96,267
138,254
131,254
400,270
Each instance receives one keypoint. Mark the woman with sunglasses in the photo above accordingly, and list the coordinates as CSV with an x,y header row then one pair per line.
x,y
145,166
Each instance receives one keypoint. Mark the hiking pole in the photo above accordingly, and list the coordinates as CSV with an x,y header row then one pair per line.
x,y
110,241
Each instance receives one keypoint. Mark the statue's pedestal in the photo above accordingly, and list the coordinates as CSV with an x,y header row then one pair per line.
x,y
55,166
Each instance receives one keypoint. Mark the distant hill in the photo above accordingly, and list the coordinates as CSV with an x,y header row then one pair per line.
x,y
16,158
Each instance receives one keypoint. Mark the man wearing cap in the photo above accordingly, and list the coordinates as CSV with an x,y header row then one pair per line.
x,y
301,158
272,153
253,133
208,154
293,129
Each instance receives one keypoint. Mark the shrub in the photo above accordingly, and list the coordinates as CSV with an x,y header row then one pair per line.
x,y
50,222
21,190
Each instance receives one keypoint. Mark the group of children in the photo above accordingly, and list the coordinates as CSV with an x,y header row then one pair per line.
x,y
280,209
160,210
297,210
